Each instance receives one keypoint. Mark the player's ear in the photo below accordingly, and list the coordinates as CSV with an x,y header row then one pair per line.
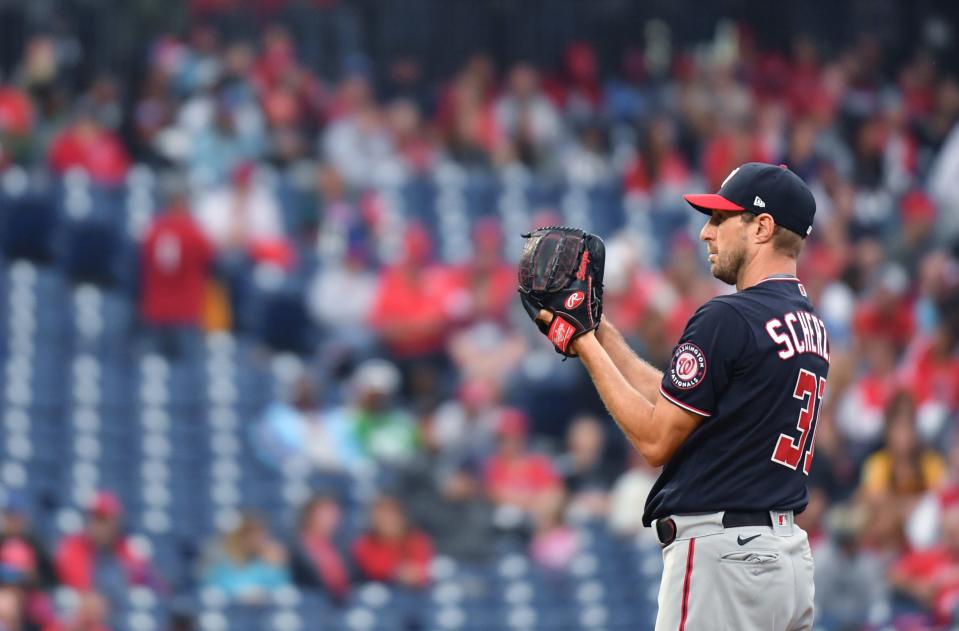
x,y
765,228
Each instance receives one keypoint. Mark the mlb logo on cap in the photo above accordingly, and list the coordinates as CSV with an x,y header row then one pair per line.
x,y
760,188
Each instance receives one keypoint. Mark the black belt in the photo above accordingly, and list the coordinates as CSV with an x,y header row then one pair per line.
x,y
738,519
666,528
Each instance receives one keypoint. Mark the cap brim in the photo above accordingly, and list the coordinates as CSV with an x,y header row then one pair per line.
x,y
708,202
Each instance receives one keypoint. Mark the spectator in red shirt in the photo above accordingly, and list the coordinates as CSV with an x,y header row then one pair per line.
x,y
489,282
887,313
411,311
88,145
392,551
102,557
16,124
931,577
175,266
930,369
727,149
577,89
16,111
465,115
515,478
485,347
317,561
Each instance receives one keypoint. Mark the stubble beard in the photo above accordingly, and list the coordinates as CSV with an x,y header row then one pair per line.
x,y
727,266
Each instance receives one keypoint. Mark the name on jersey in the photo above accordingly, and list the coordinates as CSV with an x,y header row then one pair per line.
x,y
799,332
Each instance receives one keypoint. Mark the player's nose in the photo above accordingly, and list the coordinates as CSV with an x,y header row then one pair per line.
x,y
708,232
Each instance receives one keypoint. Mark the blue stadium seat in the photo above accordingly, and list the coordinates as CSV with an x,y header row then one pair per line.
x,y
90,251
27,226
283,323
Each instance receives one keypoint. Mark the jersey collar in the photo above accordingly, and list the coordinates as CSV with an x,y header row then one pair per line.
x,y
773,277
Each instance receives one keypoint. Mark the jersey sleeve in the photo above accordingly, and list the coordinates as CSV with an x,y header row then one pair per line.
x,y
703,361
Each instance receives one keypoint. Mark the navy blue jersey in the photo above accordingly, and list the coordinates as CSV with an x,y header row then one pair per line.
x,y
754,365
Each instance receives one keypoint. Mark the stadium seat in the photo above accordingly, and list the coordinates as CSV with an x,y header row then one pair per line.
x,y
28,225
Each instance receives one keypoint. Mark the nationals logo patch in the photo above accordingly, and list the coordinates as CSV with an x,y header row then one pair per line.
x,y
574,300
688,367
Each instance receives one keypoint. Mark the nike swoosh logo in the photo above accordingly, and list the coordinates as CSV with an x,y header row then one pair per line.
x,y
743,541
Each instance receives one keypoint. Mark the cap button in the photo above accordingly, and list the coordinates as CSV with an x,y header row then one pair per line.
x,y
783,166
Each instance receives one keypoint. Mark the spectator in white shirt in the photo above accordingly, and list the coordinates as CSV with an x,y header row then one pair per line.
x,y
241,215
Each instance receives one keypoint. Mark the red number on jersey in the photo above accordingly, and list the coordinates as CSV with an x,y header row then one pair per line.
x,y
789,451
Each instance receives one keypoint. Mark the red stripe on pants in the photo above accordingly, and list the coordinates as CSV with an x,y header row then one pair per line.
x,y
686,582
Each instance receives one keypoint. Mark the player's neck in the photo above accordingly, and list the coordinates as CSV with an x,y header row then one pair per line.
x,y
760,269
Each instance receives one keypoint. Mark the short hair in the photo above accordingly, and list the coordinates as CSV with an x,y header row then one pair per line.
x,y
317,500
785,241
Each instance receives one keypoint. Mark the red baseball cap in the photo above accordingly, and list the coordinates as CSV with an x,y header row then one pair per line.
x,y
512,422
243,173
917,206
106,504
16,554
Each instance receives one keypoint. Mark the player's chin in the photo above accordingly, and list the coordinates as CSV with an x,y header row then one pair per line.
x,y
722,274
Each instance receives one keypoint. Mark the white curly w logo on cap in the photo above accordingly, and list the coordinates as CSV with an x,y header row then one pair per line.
x,y
729,177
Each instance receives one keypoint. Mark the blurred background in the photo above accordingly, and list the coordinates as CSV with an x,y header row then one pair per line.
x,y
263,366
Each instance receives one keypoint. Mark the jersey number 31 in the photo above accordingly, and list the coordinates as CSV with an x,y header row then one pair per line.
x,y
789,451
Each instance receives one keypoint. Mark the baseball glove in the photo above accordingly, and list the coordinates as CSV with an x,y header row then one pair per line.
x,y
561,271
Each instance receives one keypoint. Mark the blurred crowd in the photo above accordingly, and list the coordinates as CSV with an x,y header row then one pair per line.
x,y
423,383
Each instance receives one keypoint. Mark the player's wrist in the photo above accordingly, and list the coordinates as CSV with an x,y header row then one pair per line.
x,y
603,330
582,342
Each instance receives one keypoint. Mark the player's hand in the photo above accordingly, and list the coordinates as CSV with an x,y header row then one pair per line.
x,y
547,317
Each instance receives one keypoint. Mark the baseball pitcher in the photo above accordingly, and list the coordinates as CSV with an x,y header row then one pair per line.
x,y
733,419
